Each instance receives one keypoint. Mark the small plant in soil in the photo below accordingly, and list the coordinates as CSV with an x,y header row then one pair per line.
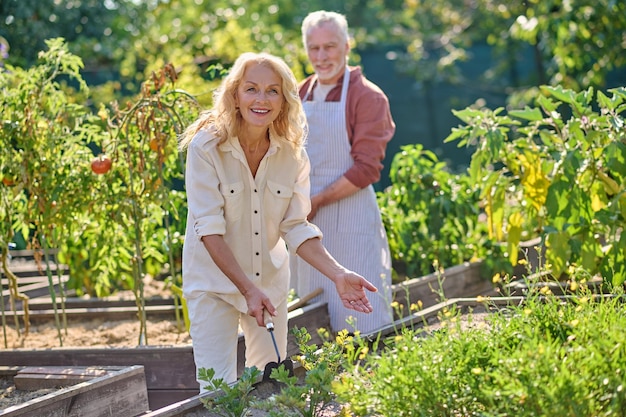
x,y
235,400
308,395
314,394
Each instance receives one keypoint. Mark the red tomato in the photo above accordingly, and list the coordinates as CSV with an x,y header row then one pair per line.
x,y
101,164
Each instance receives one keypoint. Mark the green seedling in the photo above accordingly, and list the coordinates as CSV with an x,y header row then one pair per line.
x,y
230,400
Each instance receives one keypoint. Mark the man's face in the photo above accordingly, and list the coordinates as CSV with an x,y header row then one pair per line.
x,y
327,52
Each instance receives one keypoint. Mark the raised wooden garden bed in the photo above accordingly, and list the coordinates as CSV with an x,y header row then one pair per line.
x,y
458,281
42,310
193,406
105,391
169,370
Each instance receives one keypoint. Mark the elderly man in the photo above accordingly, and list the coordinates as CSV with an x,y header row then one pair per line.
x,y
350,125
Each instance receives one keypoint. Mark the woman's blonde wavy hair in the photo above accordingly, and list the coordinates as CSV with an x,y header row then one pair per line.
x,y
224,119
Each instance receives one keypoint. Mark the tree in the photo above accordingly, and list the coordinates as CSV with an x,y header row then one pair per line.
x,y
88,25
575,44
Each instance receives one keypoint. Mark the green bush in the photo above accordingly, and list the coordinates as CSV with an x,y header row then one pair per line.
x,y
432,216
542,358
556,170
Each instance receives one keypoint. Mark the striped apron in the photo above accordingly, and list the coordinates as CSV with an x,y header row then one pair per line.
x,y
353,230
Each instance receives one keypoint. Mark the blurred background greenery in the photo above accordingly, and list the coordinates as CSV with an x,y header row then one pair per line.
x,y
430,56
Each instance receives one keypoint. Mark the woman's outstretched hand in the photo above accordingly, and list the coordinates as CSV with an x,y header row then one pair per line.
x,y
351,289
350,285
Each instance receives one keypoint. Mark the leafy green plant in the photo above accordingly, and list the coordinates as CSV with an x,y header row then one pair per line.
x,y
113,218
142,145
42,158
229,400
542,357
322,365
432,216
558,171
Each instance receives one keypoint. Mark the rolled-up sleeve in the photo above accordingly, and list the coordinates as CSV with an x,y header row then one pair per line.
x,y
294,227
204,199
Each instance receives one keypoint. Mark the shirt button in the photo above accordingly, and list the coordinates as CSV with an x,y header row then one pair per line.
x,y
256,211
256,233
257,274
257,254
255,191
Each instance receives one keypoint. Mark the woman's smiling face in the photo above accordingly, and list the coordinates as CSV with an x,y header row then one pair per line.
x,y
260,96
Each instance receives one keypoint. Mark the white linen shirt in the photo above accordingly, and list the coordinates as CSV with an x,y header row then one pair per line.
x,y
259,217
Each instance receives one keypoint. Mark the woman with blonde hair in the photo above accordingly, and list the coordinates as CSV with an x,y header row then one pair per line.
x,y
247,183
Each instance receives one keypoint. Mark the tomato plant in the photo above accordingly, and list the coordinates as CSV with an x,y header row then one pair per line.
x,y
49,193
53,204
142,140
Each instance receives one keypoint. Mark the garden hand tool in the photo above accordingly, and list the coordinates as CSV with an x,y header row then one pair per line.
x,y
287,363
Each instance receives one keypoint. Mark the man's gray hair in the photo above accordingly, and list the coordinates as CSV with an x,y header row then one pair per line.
x,y
317,18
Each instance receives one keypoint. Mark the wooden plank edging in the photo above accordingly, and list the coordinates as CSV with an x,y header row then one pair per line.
x,y
169,370
120,393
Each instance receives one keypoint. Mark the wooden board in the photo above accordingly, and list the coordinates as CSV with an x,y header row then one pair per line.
x,y
34,287
78,302
119,393
109,313
30,254
41,309
26,269
32,378
457,281
194,405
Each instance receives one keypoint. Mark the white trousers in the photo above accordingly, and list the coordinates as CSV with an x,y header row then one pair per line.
x,y
214,330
